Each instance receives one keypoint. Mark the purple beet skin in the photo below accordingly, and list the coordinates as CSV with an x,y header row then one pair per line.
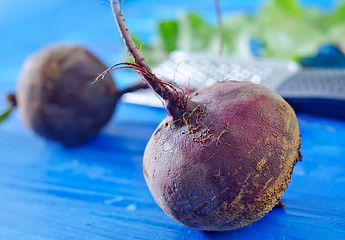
x,y
57,99
231,166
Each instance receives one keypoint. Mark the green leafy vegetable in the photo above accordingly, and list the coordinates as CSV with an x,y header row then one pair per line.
x,y
339,14
168,31
285,29
288,6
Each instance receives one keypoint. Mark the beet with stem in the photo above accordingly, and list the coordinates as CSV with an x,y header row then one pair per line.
x,y
224,156
58,97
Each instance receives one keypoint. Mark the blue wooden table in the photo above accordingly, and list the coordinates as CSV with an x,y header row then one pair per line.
x,y
97,191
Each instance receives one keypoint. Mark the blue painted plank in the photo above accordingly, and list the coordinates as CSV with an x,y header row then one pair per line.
x,y
97,191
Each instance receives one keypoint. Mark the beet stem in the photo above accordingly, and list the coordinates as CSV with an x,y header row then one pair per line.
x,y
132,48
138,86
175,100
11,98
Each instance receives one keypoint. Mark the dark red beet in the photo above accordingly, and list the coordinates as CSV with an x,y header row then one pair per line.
x,y
224,156
229,168
57,98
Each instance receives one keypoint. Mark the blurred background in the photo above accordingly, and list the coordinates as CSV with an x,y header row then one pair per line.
x,y
286,29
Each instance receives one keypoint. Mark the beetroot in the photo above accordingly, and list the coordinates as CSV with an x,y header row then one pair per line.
x,y
230,166
224,156
57,98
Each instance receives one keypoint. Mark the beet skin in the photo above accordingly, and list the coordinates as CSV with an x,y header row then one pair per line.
x,y
228,163
56,97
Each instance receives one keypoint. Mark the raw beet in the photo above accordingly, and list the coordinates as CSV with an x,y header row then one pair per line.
x,y
56,97
230,167
224,156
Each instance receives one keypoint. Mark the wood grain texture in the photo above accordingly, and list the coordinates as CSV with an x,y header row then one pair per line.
x,y
97,191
